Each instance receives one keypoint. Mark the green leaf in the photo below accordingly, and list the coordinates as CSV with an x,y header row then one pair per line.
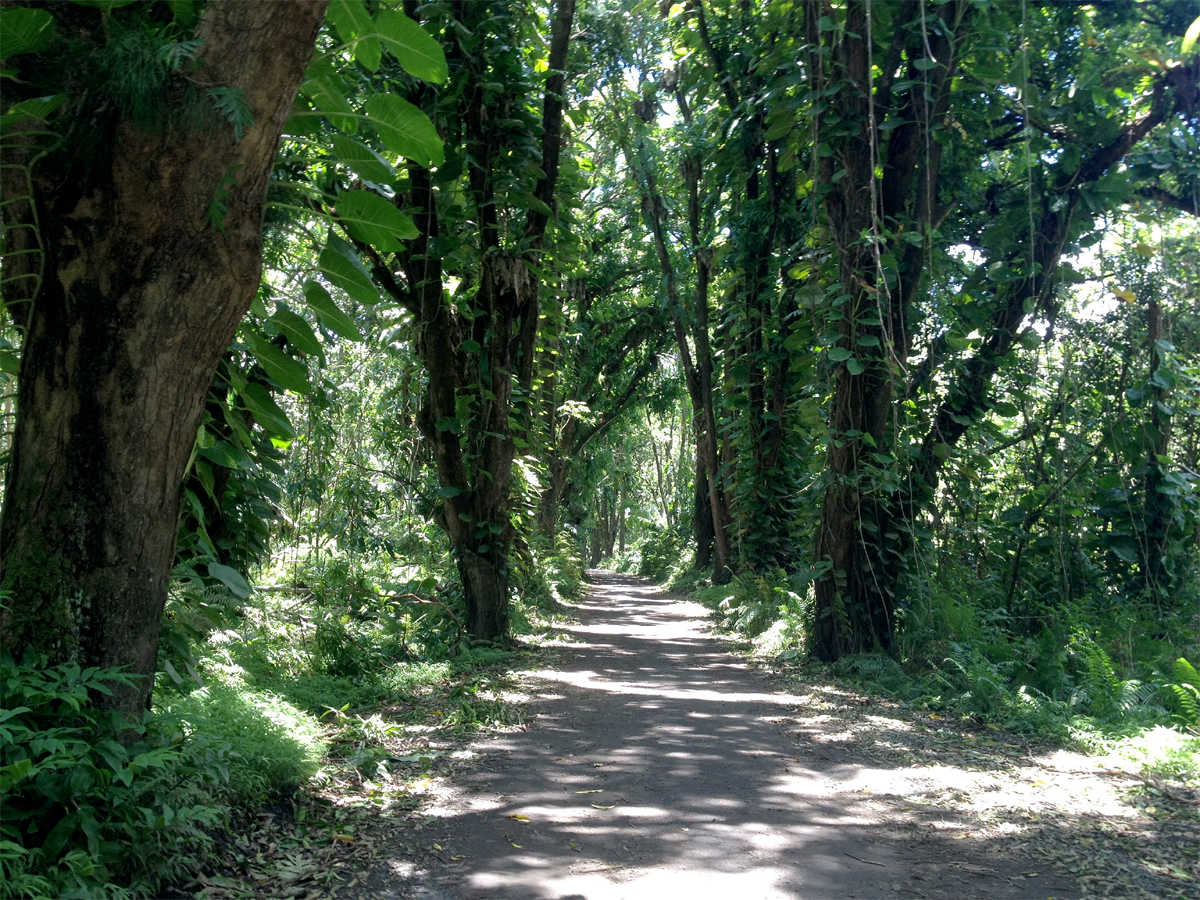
x,y
231,578
184,11
1191,39
298,331
223,454
1124,548
839,354
419,54
330,99
362,160
1163,378
34,108
258,400
1004,409
344,269
353,23
57,839
854,367
924,64
328,313
375,221
445,492
405,130
287,372
1013,515
24,30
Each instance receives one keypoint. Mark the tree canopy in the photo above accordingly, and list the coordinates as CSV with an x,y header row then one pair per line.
x,y
889,302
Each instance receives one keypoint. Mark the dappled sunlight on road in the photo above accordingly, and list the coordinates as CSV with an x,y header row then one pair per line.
x,y
659,764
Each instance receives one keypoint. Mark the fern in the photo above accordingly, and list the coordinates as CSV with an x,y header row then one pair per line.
x,y
193,612
178,55
219,208
231,104
1184,691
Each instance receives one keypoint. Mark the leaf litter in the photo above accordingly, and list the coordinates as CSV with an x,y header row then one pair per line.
x,y
1116,832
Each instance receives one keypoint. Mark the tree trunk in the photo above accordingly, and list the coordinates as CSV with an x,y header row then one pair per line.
x,y
474,458
141,297
702,519
858,540
621,526
1157,505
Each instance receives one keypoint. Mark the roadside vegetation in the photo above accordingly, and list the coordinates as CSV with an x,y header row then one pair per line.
x,y
337,342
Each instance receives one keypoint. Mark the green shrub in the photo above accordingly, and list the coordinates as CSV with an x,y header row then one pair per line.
x,y
279,747
1183,692
661,551
89,800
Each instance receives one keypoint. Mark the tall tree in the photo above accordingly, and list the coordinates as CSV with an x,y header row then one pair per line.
x,y
477,343
150,216
901,181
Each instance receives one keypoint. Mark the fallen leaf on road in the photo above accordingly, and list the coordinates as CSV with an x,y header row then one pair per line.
x,y
437,846
518,817
344,838
518,846
595,791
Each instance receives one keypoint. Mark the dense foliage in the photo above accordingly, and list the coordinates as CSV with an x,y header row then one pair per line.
x,y
874,323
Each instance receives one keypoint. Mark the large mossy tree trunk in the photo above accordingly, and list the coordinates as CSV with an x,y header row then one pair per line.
x,y
858,541
866,536
475,360
141,295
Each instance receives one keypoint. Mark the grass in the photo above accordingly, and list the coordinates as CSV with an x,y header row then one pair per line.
x,y
273,746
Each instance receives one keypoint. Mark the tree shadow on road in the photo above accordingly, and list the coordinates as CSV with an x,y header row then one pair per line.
x,y
659,764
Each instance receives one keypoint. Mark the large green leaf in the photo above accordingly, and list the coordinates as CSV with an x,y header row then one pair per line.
x,y
330,99
353,23
344,269
24,30
362,160
375,221
405,130
1190,39
231,578
287,372
298,331
327,312
266,411
420,54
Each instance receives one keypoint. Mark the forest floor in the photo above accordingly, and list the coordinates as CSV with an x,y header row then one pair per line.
x,y
647,759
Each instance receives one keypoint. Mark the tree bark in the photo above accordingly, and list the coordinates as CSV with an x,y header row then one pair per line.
x,y
856,540
702,519
474,458
141,297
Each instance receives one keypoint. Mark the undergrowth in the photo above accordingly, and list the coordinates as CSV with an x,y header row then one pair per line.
x,y
256,698
1062,681
94,805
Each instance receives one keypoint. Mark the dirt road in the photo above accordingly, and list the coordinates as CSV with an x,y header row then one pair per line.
x,y
659,766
